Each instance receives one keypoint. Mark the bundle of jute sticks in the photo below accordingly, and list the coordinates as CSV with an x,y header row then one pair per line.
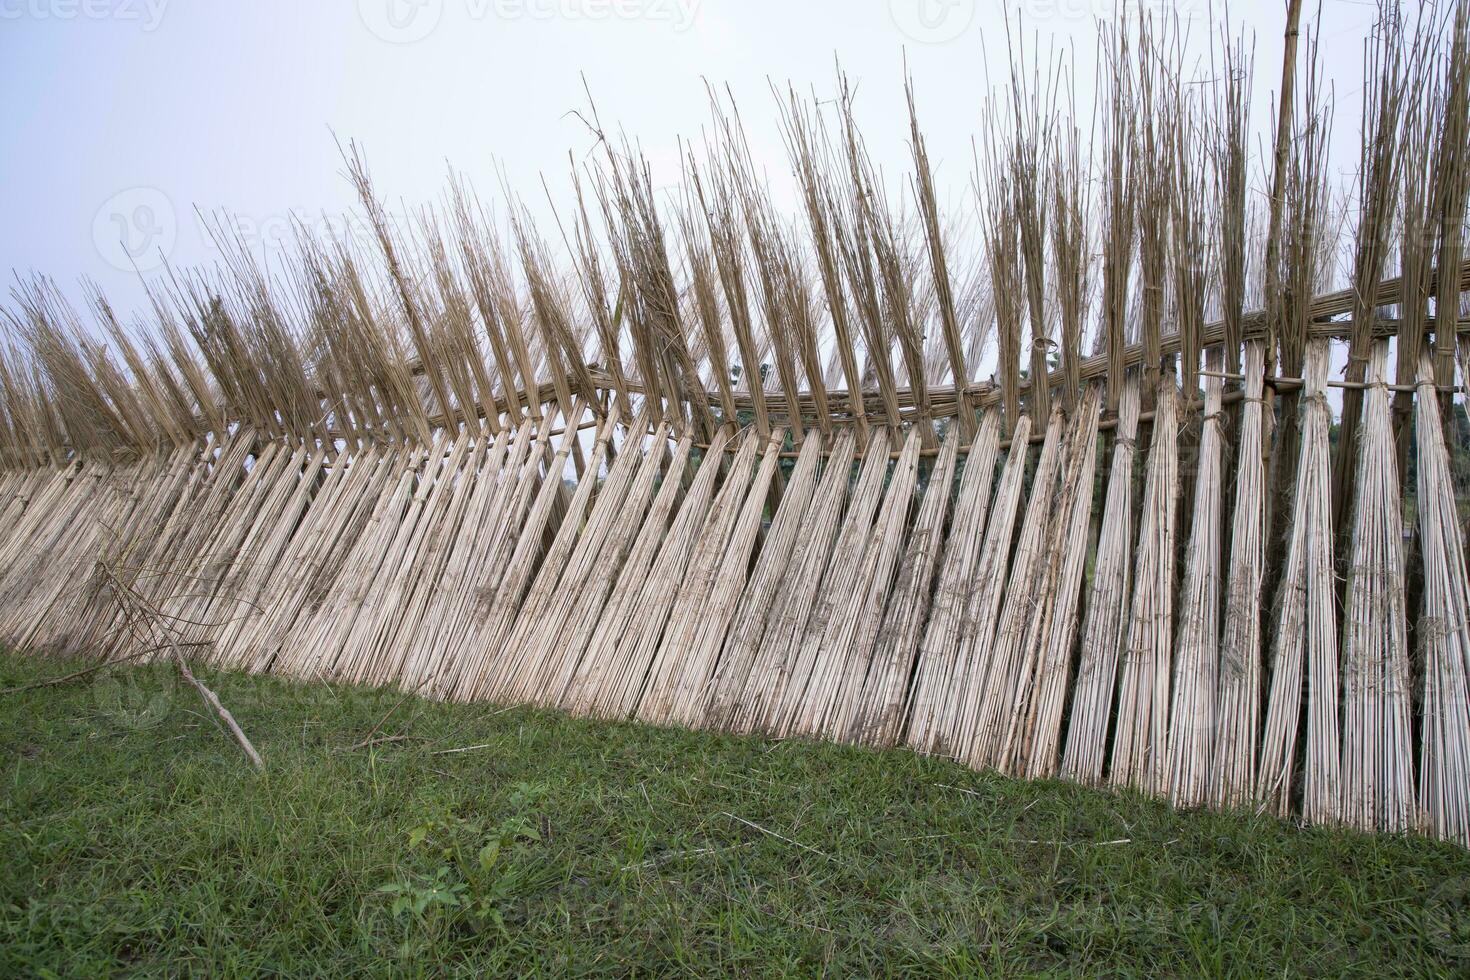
x,y
740,473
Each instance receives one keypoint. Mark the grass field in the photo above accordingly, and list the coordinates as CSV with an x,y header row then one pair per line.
x,y
136,838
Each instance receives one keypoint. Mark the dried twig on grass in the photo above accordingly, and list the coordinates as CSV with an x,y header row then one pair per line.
x,y
212,699
85,671
368,739
149,627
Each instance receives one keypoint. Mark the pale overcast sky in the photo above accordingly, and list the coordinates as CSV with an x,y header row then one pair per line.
x,y
122,116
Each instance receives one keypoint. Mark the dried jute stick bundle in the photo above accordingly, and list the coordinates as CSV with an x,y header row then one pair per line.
x,y
695,582
835,701
1238,711
421,560
439,584
599,664
532,653
1444,629
935,671
283,490
550,655
762,591
322,635
639,645
882,706
1104,629
1196,648
340,511
816,652
1034,740
1306,629
241,600
694,670
1377,742
498,595
84,516
1023,597
513,598
987,589
500,505
190,573
1140,746
774,666
368,654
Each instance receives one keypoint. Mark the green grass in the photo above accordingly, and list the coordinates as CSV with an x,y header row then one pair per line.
x,y
134,837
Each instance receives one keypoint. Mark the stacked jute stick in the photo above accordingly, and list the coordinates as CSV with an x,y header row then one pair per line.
x,y
739,475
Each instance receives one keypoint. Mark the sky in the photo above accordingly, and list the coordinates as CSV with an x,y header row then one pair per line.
x,y
122,117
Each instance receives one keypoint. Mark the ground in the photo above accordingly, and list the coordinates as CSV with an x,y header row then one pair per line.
x,y
470,838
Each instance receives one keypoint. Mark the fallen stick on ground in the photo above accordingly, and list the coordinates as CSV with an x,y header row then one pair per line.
x,y
84,672
367,739
145,622
212,699
465,748
780,837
